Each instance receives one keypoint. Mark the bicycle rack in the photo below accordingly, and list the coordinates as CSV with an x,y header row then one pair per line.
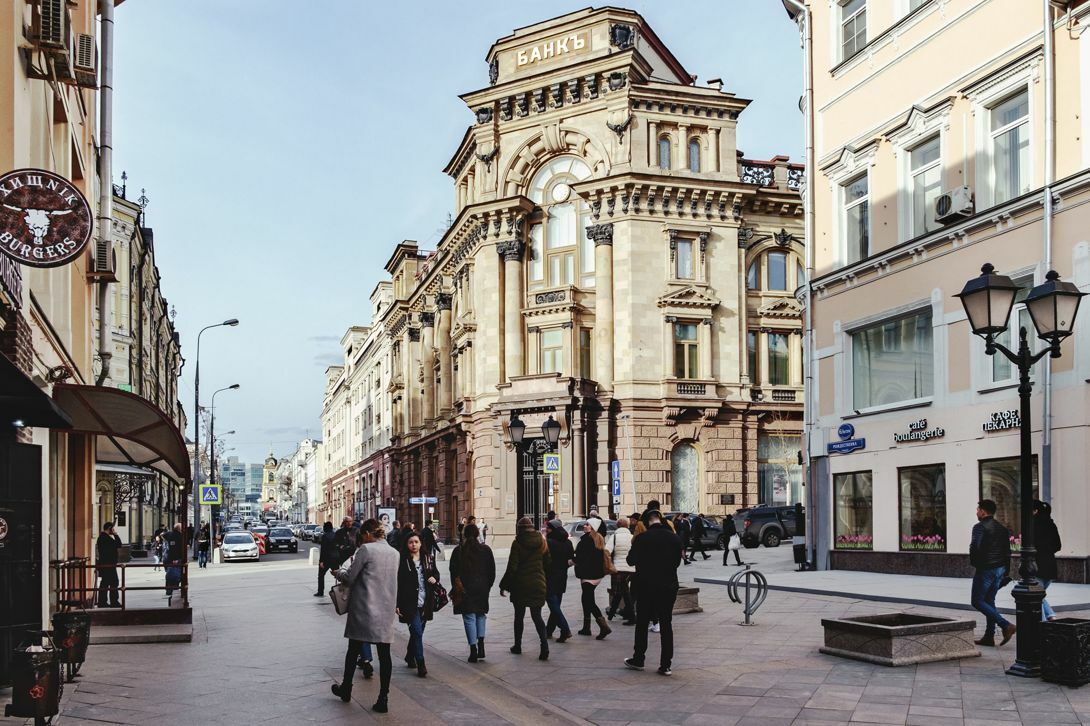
x,y
754,579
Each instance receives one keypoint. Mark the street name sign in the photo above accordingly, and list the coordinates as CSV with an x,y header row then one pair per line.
x,y
423,500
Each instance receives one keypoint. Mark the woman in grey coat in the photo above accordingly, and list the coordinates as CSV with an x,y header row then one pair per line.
x,y
372,603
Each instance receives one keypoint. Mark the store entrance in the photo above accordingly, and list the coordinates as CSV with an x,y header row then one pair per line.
x,y
20,547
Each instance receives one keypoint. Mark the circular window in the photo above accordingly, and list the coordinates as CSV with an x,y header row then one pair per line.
x,y
561,192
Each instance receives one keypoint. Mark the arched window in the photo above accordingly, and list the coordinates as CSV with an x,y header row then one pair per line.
x,y
560,253
685,478
664,152
694,154
751,276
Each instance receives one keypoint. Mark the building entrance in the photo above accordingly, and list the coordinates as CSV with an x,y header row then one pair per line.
x,y
20,547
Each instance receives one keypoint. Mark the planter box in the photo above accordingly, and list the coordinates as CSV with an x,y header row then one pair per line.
x,y
688,601
896,639
1065,651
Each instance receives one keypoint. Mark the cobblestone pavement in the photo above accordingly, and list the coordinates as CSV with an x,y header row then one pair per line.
x,y
266,650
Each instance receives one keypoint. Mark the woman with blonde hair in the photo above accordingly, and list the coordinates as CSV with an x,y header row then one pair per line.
x,y
592,564
525,580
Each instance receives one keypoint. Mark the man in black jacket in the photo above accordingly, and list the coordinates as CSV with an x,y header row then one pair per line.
x,y
327,555
990,555
656,554
106,549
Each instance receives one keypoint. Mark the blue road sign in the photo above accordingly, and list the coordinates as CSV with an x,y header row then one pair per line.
x,y
423,500
846,447
551,464
210,494
615,475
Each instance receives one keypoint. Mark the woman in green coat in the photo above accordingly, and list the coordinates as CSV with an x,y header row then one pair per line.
x,y
525,580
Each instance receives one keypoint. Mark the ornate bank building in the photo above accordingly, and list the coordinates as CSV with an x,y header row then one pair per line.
x,y
617,278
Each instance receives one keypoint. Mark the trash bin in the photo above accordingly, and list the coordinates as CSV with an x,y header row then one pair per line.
x,y
72,635
1065,651
35,684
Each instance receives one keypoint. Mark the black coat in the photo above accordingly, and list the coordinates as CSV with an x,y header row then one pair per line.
x,y
698,529
477,579
344,544
729,528
590,563
684,529
394,538
106,548
656,555
408,587
990,546
327,552
428,544
175,547
561,553
1047,538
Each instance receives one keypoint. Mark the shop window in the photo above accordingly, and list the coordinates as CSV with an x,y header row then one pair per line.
x,y
777,271
779,474
1010,147
1000,481
664,152
683,259
892,361
856,218
552,351
694,155
752,352
923,508
686,360
778,360
854,511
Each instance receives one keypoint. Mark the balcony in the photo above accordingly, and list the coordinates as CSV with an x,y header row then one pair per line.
x,y
692,389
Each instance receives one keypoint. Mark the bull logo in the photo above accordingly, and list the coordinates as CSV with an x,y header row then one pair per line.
x,y
45,221
37,220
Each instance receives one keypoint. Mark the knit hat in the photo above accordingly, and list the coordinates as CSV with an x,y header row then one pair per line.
x,y
555,524
594,523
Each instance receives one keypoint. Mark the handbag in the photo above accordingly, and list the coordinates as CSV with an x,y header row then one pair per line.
x,y
339,595
457,592
735,542
439,597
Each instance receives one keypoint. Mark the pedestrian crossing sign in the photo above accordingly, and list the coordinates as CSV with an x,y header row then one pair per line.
x,y
210,494
552,464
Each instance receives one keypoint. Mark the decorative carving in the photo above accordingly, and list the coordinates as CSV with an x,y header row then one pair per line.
x,y
703,237
602,234
539,100
624,203
673,233
556,95
493,71
636,201
414,335
671,319
745,234
553,296
596,208
511,249
617,80
783,237
522,104
610,204
427,319
591,84
620,128
622,36
484,114
573,90
795,178
443,300
487,158
505,109
759,174
567,325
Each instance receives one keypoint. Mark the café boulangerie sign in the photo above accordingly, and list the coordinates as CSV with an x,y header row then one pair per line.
x,y
1002,421
44,220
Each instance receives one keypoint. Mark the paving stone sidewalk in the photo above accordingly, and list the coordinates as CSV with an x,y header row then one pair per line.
x,y
266,650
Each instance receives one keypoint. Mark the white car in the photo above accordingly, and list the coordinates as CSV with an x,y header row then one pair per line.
x,y
239,546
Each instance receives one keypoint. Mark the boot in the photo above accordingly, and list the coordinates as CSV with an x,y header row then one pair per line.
x,y
381,705
342,692
421,669
603,628
544,654
368,670
472,654
586,626
480,649
517,648
565,636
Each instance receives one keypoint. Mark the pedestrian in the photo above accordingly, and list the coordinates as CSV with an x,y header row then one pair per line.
x,y
393,537
461,529
641,527
416,578
158,548
484,532
472,574
633,520
684,530
204,543
696,536
990,555
344,540
428,542
1047,539
327,555
106,556
175,554
733,541
561,556
372,603
591,566
525,580
618,546
656,554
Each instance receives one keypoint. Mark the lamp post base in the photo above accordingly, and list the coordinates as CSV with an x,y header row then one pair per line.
x,y
1027,601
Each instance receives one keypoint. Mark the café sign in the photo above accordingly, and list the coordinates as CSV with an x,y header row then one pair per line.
x,y
44,220
918,431
1003,420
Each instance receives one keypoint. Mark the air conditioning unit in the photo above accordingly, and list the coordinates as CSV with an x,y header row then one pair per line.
x,y
954,205
51,21
85,55
104,263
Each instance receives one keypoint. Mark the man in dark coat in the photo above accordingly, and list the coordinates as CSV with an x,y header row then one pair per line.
x,y
561,554
393,537
697,537
1047,539
684,530
730,529
175,551
428,543
656,554
106,550
345,542
327,555
990,555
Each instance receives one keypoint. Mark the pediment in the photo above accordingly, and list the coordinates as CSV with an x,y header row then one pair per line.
x,y
687,297
784,307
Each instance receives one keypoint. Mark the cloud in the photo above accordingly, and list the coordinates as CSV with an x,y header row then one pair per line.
x,y
330,339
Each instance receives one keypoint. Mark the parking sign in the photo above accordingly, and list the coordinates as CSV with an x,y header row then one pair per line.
x,y
615,475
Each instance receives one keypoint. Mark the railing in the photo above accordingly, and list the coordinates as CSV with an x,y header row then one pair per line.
x,y
73,591
71,577
784,396
691,389
759,173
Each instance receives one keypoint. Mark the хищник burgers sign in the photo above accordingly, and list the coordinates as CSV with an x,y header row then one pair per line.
x,y
44,220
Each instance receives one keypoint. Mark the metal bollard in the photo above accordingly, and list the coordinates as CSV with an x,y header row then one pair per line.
x,y
752,601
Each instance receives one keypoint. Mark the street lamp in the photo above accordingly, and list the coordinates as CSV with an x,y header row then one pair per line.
x,y
1052,306
531,495
197,423
212,460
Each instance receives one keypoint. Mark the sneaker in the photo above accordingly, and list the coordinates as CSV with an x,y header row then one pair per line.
x,y
665,671
654,627
633,664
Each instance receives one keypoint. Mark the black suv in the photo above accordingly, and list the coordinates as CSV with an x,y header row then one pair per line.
x,y
766,526
281,538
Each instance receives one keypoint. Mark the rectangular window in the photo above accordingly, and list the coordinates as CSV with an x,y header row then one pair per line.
x,y
853,27
853,513
778,357
1003,370
892,361
1010,147
777,271
1000,481
585,366
925,168
779,474
586,246
857,219
537,255
923,507
683,268
685,351
552,351
751,349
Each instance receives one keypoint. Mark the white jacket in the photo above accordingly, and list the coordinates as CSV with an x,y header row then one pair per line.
x,y
618,545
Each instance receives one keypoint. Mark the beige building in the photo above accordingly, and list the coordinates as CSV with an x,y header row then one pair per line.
x,y
939,128
614,264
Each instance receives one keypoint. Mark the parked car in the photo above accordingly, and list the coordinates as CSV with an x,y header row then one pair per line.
x,y
575,529
239,546
713,529
763,525
280,538
312,532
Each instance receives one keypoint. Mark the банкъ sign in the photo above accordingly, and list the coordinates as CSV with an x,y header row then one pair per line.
x,y
554,48
918,431
44,220
1003,420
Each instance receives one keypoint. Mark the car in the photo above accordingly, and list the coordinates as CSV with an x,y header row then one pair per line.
x,y
281,538
239,546
713,529
575,529
312,532
227,530
765,525
260,529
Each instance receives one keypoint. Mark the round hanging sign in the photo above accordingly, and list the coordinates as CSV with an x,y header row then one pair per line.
x,y
3,528
44,220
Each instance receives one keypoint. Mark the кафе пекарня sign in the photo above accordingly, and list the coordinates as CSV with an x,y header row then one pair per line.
x,y
44,220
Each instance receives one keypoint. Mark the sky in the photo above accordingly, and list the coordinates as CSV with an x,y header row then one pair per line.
x,y
285,147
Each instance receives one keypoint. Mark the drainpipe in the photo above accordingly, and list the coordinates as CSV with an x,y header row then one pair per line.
x,y
1050,173
803,19
105,181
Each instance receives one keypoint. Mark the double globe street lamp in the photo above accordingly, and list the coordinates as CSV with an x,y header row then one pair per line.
x,y
531,495
1052,306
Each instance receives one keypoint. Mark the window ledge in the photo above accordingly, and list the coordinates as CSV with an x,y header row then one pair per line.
x,y
887,408
996,387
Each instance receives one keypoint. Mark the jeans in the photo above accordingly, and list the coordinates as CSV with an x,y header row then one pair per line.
x,y
416,635
556,615
107,580
985,586
365,653
535,615
202,558
385,667
474,625
655,602
1046,609
590,608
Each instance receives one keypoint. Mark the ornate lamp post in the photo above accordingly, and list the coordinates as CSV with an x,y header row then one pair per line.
x,y
531,495
1053,306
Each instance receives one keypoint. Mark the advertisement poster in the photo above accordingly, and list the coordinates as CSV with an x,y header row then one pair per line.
x,y
387,517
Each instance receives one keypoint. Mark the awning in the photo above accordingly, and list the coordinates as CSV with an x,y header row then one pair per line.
x,y
130,429
22,400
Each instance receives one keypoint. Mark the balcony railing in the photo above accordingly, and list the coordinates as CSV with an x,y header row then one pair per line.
x,y
784,395
692,389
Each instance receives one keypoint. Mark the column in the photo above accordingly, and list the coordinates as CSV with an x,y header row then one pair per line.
x,y
653,140
682,160
427,359
412,383
513,345
579,472
446,384
704,342
668,346
602,234
713,134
